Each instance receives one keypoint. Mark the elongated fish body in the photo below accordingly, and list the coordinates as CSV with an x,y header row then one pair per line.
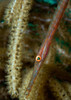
x,y
46,44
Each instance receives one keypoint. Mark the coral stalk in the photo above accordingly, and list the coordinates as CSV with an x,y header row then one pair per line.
x,y
58,90
25,82
10,11
15,47
67,87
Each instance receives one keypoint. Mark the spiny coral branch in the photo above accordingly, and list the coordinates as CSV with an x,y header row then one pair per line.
x,y
58,90
25,82
10,11
15,47
67,87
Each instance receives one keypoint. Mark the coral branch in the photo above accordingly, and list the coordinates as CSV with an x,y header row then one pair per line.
x,y
58,90
67,87
11,11
15,47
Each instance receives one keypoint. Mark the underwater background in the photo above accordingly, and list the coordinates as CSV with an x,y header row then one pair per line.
x,y
58,85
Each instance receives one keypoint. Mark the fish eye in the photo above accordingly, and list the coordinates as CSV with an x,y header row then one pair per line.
x,y
38,58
